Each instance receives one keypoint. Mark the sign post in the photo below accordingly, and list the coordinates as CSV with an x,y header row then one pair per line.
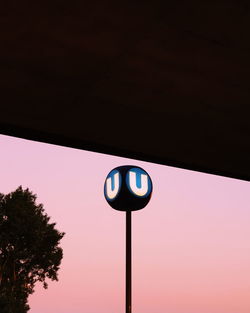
x,y
128,262
128,188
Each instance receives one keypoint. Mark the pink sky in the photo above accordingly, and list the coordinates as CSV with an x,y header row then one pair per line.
x,y
191,244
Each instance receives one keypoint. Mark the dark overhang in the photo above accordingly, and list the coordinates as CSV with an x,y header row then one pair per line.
x,y
161,81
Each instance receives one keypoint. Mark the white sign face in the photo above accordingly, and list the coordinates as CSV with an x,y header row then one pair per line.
x,y
138,182
112,185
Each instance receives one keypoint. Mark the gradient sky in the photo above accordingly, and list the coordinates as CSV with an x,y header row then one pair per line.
x,y
191,244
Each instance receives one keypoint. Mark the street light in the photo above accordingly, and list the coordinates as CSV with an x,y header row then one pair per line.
x,y
128,188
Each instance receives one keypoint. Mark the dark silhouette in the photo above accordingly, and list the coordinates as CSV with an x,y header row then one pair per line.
x,y
29,249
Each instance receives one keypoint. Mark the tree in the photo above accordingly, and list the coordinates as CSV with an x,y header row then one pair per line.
x,y
29,250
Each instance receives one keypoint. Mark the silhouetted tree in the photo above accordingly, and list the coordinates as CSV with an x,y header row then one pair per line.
x,y
29,249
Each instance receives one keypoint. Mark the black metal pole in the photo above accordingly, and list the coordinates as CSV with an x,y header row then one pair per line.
x,y
128,263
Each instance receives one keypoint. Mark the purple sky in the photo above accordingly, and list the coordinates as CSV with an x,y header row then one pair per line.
x,y
191,244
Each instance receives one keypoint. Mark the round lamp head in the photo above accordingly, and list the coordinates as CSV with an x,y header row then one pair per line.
x,y
128,188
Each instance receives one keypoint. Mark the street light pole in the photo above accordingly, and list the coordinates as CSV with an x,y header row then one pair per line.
x,y
128,262
126,187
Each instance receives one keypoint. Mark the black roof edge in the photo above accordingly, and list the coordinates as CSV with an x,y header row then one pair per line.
x,y
56,139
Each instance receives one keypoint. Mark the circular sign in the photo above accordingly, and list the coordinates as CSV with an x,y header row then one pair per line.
x,y
128,188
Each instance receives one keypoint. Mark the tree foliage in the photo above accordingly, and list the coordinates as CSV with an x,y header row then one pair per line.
x,y
29,250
